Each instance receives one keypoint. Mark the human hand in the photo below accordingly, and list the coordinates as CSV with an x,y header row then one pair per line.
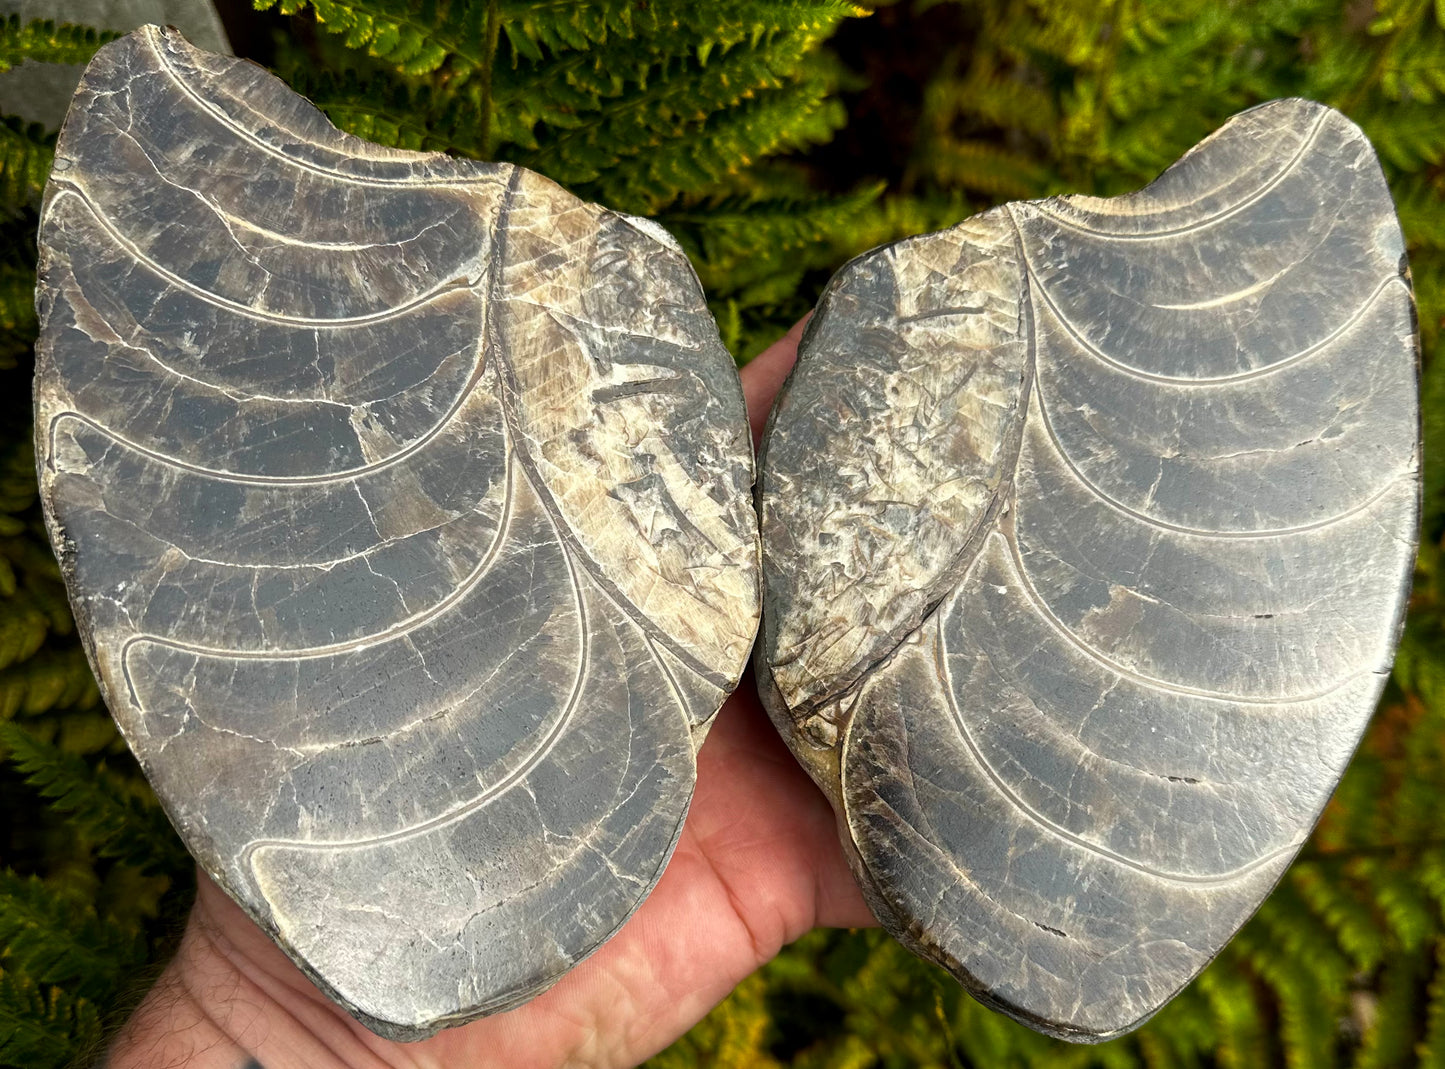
x,y
758,865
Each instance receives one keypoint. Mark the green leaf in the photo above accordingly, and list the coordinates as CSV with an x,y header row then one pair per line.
x,y
44,41
43,1028
54,936
112,819
26,152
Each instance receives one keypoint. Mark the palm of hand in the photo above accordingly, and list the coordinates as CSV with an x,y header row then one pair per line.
x,y
758,864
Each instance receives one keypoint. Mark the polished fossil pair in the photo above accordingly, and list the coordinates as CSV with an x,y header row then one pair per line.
x,y
405,506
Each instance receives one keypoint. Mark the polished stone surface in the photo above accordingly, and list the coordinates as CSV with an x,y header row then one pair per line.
x,y
404,504
1087,530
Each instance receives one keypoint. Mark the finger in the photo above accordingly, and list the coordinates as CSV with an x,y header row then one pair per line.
x,y
840,902
791,859
763,375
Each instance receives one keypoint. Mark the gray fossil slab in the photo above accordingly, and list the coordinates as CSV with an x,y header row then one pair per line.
x,y
404,504
1087,531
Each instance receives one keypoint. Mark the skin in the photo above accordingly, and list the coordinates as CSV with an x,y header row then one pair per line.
x,y
757,866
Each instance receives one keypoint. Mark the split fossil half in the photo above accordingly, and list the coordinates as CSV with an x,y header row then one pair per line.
x,y
404,504
1087,531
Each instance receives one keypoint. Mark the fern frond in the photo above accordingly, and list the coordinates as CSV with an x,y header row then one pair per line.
x,y
800,114
588,82
730,238
1427,268
1406,910
1291,932
108,817
43,1028
1417,204
1431,1050
1010,98
399,115
1407,136
1182,1034
1234,1007
1420,666
558,26
26,152
662,109
18,325
736,1036
50,680
1352,922
45,590
23,628
983,167
44,41
53,936
1410,65
420,38
18,492
1430,875
704,65
410,37
1307,1007
1392,1019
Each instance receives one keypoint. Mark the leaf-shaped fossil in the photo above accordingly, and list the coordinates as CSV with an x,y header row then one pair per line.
x,y
1087,527
404,506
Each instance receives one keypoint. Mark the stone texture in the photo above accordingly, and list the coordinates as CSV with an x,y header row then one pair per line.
x,y
41,92
1087,529
404,506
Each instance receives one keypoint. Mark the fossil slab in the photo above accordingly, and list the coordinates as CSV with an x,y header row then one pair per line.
x,y
1087,528
404,504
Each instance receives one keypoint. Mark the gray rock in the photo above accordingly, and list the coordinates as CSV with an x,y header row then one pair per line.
x,y
40,92
1087,530
404,507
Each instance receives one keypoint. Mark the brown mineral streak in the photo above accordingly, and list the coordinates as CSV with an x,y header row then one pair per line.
x,y
948,411
589,443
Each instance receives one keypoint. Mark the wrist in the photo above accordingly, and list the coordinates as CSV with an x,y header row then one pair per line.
x,y
230,999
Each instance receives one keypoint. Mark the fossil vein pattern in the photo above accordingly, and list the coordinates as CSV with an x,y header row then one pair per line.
x,y
404,504
1087,528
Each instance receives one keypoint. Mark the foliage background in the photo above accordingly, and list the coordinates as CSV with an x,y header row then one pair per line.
x,y
776,138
